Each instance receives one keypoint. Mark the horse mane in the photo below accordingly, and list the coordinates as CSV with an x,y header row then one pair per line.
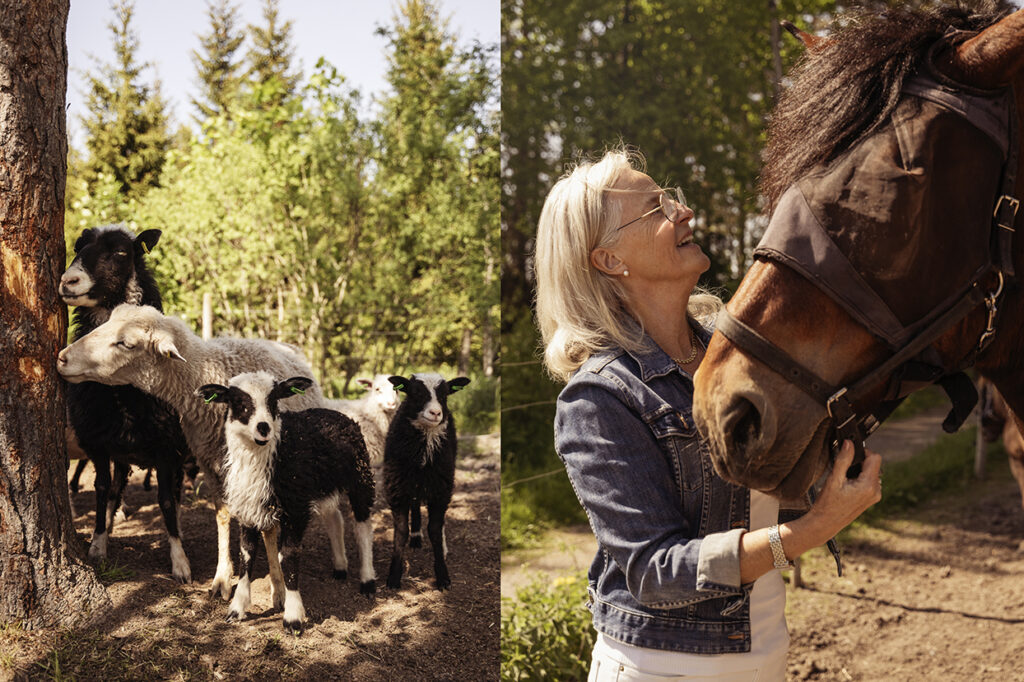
x,y
849,87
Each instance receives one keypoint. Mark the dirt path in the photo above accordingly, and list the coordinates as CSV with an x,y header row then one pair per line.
x,y
159,629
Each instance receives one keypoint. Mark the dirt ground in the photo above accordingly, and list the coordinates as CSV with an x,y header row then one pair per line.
x,y
160,630
933,594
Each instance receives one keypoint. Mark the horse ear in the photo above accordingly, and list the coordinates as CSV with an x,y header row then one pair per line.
x,y
991,59
813,43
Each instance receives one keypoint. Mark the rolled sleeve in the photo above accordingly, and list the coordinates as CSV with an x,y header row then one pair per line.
x,y
625,484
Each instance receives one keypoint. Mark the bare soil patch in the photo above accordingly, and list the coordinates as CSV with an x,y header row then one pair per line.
x,y
160,630
936,594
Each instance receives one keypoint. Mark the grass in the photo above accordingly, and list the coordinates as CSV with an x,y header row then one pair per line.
x,y
919,402
111,572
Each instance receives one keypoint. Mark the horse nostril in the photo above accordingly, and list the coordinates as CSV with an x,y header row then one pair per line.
x,y
744,427
263,428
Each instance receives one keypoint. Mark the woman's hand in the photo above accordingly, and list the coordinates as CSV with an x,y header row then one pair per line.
x,y
840,501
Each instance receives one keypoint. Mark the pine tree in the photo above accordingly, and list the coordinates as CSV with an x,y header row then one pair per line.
x,y
270,57
126,127
217,68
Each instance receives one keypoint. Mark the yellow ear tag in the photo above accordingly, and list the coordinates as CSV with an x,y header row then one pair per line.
x,y
167,354
145,247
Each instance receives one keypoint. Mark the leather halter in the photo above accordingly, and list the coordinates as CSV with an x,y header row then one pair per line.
x,y
839,401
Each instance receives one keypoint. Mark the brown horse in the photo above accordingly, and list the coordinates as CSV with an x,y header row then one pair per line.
x,y
997,422
916,232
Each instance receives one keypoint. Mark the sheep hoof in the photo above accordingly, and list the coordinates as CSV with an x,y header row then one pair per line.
x,y
369,587
444,582
234,617
394,582
340,575
416,541
293,627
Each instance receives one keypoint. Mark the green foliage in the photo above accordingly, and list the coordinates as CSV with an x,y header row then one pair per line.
x,y
476,406
371,249
126,126
919,402
216,66
546,632
270,58
945,465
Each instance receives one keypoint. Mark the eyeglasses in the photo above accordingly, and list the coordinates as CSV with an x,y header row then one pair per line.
x,y
671,206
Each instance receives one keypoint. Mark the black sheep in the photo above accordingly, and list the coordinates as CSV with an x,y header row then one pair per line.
x,y
419,467
121,423
283,466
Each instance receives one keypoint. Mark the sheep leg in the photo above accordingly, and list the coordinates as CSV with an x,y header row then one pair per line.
x,y
362,502
416,537
294,611
248,549
117,485
274,565
147,482
79,468
168,480
435,531
328,510
400,515
98,545
222,578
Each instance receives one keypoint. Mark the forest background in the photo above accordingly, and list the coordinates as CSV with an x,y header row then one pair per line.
x,y
691,84
365,233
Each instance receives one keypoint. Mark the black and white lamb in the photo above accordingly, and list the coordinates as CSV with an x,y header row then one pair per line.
x,y
163,357
121,423
283,467
419,467
373,412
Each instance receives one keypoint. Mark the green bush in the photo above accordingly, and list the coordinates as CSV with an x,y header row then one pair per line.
x,y
546,633
476,406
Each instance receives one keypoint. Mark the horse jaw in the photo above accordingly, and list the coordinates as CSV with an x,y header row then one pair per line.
x,y
764,432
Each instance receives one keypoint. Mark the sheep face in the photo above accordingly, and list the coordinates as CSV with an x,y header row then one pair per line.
x,y
252,398
382,393
121,349
106,259
427,395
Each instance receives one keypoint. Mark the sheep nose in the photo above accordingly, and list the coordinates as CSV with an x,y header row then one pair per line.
x,y
69,281
62,357
436,414
263,428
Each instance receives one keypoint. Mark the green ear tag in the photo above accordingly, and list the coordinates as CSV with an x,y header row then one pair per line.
x,y
400,387
210,399
144,247
457,388
298,391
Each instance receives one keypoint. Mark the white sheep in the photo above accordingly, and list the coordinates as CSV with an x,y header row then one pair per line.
x,y
373,412
161,356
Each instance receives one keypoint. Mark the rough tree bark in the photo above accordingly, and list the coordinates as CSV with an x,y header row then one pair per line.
x,y
43,578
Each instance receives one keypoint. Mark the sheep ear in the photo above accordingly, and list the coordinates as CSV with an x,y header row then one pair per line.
x,y
399,383
147,240
364,382
290,387
457,384
165,347
213,393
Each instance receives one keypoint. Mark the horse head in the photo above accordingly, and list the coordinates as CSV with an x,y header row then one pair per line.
x,y
905,198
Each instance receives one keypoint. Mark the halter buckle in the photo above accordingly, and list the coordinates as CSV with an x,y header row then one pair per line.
x,y
828,406
1013,204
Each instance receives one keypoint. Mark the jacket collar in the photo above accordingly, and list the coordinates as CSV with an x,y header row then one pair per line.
x,y
652,360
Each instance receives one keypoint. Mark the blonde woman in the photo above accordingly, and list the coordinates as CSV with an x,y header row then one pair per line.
x,y
684,582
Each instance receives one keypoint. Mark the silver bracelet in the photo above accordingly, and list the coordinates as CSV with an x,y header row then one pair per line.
x,y
775,541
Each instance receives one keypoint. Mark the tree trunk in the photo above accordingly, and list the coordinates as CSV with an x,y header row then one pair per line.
x,y
464,351
43,579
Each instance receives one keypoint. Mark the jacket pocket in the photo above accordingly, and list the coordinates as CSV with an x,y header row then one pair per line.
x,y
680,443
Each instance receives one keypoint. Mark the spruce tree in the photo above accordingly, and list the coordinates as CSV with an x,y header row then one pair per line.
x,y
218,70
126,127
270,57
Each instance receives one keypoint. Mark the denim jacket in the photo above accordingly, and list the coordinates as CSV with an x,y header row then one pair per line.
x,y
667,570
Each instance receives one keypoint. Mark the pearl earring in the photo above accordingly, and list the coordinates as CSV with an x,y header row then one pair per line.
x,y
625,273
